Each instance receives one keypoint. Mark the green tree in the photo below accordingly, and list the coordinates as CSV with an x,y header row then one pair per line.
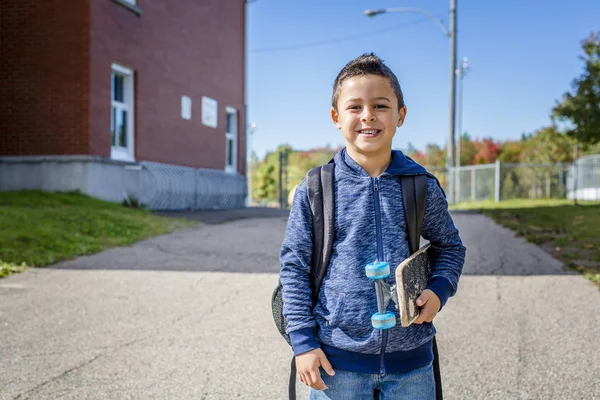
x,y
266,183
548,145
545,148
511,151
467,150
581,107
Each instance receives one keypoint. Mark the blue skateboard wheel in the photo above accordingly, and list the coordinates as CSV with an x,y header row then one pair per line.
x,y
383,321
377,270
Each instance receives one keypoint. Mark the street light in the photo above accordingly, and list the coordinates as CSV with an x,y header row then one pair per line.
x,y
451,34
372,13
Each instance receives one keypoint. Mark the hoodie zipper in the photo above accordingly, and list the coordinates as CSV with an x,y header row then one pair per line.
x,y
380,257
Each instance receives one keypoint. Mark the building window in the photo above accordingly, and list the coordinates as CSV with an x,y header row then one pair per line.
x,y
231,135
121,113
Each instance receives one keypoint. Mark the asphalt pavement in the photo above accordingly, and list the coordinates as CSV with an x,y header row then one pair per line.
x,y
187,316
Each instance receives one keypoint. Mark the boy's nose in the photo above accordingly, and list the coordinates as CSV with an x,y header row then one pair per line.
x,y
367,116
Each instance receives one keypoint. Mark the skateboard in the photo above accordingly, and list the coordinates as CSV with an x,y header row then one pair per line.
x,y
412,276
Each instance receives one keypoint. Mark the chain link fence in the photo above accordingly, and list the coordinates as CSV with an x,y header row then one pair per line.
x,y
492,182
505,181
170,187
583,179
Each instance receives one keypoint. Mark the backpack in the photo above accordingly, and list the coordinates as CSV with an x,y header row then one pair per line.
x,y
320,190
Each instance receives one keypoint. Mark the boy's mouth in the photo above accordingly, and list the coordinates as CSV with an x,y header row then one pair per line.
x,y
369,132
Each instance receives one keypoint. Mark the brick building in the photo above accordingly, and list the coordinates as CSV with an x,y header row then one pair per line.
x,y
125,99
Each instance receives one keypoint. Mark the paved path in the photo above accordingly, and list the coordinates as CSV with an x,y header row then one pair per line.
x,y
187,316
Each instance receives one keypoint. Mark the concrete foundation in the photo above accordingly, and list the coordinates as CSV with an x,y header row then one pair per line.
x,y
158,186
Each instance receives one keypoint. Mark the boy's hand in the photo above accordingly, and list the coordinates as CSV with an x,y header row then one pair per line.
x,y
430,305
308,365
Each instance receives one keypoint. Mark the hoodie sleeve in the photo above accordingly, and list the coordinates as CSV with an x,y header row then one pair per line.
x,y
296,255
439,229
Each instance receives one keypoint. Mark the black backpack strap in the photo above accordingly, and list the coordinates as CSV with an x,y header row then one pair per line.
x,y
437,376
292,383
321,265
320,188
314,189
414,194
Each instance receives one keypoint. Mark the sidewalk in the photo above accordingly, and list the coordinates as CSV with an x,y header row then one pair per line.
x,y
187,316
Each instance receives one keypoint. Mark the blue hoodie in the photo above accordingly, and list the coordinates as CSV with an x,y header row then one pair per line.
x,y
369,225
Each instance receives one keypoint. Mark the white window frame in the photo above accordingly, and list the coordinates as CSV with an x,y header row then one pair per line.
x,y
233,137
119,152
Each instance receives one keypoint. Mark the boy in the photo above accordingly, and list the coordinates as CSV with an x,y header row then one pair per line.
x,y
337,335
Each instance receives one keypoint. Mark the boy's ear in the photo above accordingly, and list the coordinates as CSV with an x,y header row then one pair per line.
x,y
335,117
401,116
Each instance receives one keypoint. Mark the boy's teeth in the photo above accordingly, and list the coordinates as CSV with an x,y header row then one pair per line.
x,y
371,132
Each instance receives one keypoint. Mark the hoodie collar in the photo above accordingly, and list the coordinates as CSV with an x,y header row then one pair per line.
x,y
399,165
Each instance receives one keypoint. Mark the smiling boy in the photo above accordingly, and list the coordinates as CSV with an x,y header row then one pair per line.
x,y
336,335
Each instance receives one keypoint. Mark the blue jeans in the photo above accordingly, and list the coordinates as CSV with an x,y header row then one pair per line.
x,y
418,384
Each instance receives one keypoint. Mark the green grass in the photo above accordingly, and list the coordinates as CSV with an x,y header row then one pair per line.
x,y
40,228
570,233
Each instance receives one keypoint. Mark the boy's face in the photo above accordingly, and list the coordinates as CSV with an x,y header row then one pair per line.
x,y
367,114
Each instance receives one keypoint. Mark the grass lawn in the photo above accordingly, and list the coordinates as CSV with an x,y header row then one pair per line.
x,y
40,228
570,233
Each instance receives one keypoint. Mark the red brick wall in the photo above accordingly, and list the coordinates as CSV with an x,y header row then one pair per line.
x,y
44,84
191,48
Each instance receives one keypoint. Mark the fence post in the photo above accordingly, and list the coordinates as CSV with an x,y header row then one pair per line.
x,y
473,183
595,176
281,179
457,185
497,182
560,181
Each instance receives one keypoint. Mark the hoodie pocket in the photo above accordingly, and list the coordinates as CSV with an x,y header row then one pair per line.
x,y
333,318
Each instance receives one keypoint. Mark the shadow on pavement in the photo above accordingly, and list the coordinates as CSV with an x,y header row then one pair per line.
x,y
223,216
252,246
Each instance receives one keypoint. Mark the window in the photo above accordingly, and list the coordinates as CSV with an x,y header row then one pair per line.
x,y
231,134
121,113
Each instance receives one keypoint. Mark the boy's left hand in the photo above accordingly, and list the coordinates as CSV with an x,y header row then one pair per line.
x,y
430,305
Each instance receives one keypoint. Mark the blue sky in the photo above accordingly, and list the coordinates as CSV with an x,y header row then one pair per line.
x,y
523,54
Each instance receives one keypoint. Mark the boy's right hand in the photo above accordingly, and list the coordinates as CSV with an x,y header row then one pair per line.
x,y
308,365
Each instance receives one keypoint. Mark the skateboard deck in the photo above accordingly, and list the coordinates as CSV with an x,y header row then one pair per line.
x,y
412,277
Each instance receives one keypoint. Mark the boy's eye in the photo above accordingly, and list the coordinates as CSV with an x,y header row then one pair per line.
x,y
354,108
381,106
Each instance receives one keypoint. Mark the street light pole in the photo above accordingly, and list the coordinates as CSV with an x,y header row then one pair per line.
x,y
451,138
451,34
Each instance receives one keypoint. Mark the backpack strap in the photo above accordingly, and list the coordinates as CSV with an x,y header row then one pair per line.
x,y
314,190
414,194
320,188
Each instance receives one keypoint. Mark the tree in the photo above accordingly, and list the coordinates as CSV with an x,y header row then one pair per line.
x,y
511,151
544,149
436,156
581,107
548,145
487,151
467,150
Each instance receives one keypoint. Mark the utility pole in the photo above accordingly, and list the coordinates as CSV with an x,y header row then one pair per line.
x,y
450,155
461,71
451,34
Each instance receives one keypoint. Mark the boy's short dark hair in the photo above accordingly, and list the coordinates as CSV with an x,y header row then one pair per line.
x,y
366,64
